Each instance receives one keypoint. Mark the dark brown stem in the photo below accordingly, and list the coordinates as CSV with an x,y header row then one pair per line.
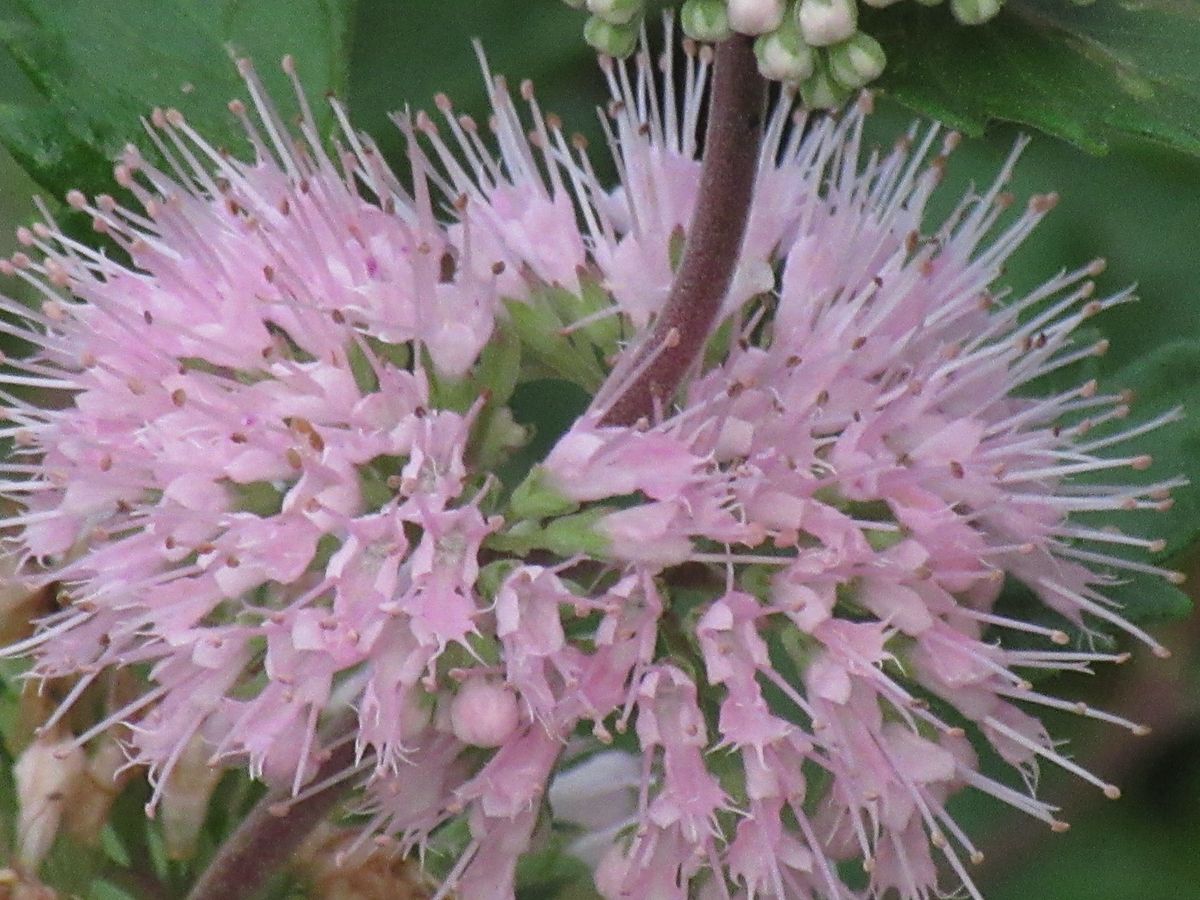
x,y
714,238
265,842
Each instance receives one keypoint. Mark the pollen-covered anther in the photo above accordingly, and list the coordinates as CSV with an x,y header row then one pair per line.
x,y
1043,203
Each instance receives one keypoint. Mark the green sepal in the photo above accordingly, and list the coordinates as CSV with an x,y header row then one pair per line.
x,y
537,498
499,367
493,575
539,328
579,533
498,435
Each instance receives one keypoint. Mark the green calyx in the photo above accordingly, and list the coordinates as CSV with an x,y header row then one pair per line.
x,y
537,498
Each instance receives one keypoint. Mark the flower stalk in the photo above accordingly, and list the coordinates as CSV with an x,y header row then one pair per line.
x,y
272,832
714,239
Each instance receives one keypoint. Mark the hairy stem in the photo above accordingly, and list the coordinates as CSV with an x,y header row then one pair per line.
x,y
265,842
714,238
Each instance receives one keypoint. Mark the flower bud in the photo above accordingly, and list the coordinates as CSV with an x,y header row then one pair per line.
x,y
615,12
185,798
20,604
856,62
755,16
820,91
107,773
483,713
575,4
612,40
825,22
16,885
783,55
45,775
705,20
975,12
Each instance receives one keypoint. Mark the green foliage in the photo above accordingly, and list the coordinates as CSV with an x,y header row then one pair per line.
x,y
1082,73
1166,378
99,67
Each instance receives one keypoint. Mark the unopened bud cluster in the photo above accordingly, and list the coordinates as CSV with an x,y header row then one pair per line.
x,y
813,43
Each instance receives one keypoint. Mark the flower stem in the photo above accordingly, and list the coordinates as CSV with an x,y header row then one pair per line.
x,y
266,841
714,238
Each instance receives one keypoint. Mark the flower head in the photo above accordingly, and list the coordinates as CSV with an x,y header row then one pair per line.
x,y
264,488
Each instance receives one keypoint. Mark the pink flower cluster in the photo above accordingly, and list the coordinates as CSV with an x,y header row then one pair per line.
x,y
261,480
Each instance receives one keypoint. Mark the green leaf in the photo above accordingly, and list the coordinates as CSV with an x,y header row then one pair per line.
x,y
1164,379
99,67
1149,599
1083,73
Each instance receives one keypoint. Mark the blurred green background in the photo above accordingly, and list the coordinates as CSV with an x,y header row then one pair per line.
x,y
1139,207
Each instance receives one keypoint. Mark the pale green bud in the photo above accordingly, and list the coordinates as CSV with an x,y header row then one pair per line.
x,y
820,91
755,16
609,39
783,55
705,20
616,12
975,12
825,22
575,4
856,62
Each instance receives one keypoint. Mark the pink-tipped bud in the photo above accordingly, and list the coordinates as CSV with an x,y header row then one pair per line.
x,y
755,16
483,713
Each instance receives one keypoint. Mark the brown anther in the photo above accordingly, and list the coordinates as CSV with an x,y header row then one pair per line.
x,y
1043,203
